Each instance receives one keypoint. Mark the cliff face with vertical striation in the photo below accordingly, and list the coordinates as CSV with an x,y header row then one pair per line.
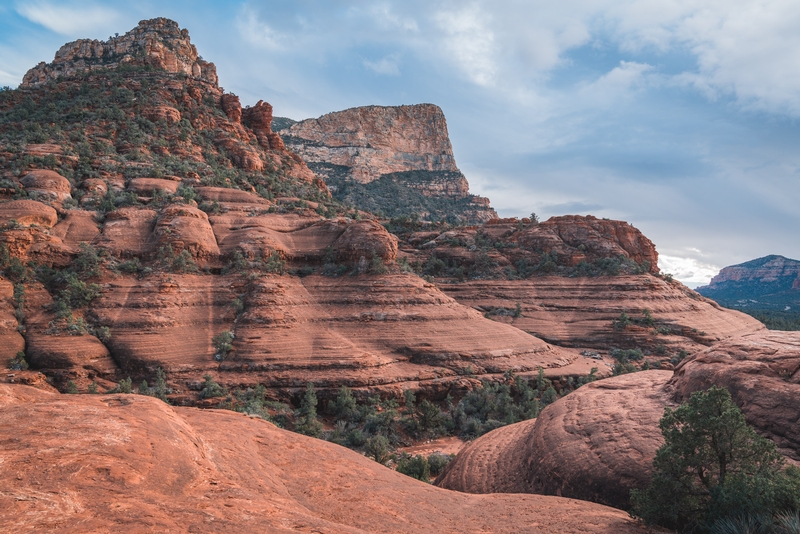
x,y
395,159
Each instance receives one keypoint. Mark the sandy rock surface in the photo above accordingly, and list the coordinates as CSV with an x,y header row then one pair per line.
x,y
128,462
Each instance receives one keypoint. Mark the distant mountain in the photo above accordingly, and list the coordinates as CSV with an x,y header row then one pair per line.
x,y
767,288
768,283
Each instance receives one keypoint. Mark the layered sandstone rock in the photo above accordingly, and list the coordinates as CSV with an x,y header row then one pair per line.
x,y
28,212
762,372
159,43
11,341
580,311
595,444
187,470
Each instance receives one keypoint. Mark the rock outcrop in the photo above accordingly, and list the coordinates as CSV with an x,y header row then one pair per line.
x,y
595,444
762,372
366,153
160,468
159,43
376,140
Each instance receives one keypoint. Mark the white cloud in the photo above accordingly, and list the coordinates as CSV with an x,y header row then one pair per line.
x,y
257,32
386,66
689,271
71,20
470,42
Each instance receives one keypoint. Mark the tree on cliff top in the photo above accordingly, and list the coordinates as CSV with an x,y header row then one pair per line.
x,y
712,467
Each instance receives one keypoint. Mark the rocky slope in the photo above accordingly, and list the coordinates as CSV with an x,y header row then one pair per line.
x,y
154,467
768,283
762,372
396,160
568,280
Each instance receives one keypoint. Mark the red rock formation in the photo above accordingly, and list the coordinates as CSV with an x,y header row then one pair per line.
x,y
762,372
259,119
377,140
28,212
156,42
146,186
595,444
166,113
187,470
232,107
77,227
11,341
185,228
579,311
48,184
768,269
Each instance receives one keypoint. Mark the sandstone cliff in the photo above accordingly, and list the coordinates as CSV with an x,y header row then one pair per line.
x,y
158,43
402,153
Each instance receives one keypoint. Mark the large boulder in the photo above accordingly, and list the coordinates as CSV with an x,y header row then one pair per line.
x,y
48,184
595,444
28,212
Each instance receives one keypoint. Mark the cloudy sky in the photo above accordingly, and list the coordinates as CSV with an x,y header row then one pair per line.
x,y
678,116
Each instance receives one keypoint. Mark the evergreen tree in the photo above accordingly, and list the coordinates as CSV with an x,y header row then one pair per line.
x,y
713,466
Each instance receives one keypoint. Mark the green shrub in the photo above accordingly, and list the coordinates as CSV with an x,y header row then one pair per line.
x,y
123,386
72,387
344,406
223,344
18,363
211,389
627,355
377,448
415,467
622,322
437,462
307,422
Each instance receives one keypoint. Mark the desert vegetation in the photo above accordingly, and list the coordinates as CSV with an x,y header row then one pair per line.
x,y
377,426
715,474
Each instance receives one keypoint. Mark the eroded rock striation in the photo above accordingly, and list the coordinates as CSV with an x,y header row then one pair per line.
x,y
190,470
395,159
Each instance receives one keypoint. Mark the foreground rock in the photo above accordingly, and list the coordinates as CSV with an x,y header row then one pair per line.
x,y
122,462
595,444
762,372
